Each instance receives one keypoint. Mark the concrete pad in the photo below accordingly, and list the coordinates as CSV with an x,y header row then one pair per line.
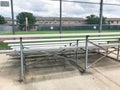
x,y
104,75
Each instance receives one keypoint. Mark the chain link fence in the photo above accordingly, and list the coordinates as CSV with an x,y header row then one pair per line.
x,y
5,28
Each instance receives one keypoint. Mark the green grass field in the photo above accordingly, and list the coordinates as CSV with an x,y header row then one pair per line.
x,y
57,32
4,46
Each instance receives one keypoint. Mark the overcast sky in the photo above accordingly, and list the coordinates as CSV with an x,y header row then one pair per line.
x,y
51,8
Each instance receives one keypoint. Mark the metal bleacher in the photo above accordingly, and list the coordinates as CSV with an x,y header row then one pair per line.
x,y
52,44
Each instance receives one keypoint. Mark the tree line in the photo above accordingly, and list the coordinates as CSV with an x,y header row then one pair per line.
x,y
21,19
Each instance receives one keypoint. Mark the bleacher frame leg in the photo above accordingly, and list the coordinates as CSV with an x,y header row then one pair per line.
x,y
70,44
21,61
118,52
77,51
86,53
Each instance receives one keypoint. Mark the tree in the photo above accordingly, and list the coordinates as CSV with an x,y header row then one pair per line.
x,y
21,20
2,20
93,19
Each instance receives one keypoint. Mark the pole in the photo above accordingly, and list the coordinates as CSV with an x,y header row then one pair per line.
x,y
12,13
101,15
26,23
60,18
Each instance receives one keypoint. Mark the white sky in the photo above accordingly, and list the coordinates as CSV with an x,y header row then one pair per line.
x,y
51,8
